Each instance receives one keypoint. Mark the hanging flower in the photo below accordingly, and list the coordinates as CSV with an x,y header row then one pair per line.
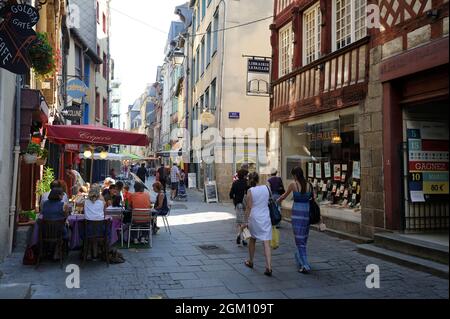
x,y
42,56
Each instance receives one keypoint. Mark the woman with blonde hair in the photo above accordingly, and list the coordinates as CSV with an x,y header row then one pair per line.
x,y
94,206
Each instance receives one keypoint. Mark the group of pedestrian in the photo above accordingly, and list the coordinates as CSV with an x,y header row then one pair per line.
x,y
251,199
175,177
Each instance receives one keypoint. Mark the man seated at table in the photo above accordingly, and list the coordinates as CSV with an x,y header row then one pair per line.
x,y
111,196
140,200
45,196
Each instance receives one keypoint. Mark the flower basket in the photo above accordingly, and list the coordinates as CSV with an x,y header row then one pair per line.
x,y
30,158
24,217
42,56
41,161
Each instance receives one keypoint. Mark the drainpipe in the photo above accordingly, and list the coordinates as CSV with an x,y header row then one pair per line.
x,y
13,208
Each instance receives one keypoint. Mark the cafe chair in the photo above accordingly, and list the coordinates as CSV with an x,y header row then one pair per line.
x,y
141,220
166,221
117,213
51,233
96,232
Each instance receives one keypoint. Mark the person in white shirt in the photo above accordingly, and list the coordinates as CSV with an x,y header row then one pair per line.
x,y
55,184
94,207
174,179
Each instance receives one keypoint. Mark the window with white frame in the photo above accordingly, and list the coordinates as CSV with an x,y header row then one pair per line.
x,y
208,45
283,4
312,20
286,37
349,22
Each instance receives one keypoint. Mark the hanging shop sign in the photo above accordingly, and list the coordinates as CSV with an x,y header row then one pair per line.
x,y
16,36
72,113
76,89
258,76
427,160
207,119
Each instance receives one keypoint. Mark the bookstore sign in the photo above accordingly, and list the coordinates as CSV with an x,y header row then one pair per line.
x,y
258,76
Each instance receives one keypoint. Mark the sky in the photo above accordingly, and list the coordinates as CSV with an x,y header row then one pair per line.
x,y
138,49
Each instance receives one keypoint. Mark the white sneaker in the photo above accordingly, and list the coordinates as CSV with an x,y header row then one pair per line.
x,y
136,241
144,241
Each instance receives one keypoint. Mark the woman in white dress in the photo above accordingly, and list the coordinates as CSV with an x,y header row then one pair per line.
x,y
259,222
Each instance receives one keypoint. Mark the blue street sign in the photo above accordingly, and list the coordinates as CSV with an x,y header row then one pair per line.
x,y
234,115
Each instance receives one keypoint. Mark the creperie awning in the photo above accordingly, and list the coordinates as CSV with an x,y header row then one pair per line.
x,y
93,135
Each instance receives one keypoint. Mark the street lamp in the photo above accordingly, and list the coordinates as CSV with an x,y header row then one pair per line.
x,y
178,58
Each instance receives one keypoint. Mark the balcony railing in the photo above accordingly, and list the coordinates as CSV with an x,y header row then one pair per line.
x,y
324,78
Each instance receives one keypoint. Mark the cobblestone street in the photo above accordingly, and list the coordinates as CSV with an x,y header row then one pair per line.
x,y
177,268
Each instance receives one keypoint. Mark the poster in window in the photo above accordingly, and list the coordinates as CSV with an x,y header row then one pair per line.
x,y
311,170
327,168
337,172
344,167
357,170
318,170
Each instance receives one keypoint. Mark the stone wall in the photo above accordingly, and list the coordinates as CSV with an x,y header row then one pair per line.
x,y
371,143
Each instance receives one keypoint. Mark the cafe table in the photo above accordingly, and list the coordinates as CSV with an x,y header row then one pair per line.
x,y
76,225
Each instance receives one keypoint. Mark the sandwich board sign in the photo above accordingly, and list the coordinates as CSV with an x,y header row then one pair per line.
x,y
211,192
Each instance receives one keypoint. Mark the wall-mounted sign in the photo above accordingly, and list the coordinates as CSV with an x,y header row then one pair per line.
x,y
258,76
16,36
234,115
76,89
192,180
72,113
427,160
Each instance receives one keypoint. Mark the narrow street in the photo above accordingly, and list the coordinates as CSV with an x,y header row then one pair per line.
x,y
177,267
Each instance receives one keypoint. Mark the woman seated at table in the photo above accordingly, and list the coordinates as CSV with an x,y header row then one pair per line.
x,y
140,200
54,208
94,210
161,206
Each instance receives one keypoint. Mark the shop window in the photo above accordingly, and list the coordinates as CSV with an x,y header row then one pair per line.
x,y
327,148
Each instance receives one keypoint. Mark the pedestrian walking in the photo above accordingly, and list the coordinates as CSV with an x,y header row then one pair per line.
x,y
238,193
161,176
245,167
142,173
277,187
303,193
174,179
259,222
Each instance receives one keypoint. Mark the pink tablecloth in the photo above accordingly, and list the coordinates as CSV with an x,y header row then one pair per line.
x,y
76,226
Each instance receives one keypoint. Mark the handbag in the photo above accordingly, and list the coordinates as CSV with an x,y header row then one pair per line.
x,y
314,211
275,242
275,214
246,235
30,256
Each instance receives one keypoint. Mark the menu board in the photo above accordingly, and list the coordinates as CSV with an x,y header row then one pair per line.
x,y
211,192
192,180
427,160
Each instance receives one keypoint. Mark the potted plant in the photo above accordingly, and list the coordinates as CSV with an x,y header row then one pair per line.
x,y
24,217
42,157
32,153
43,186
42,56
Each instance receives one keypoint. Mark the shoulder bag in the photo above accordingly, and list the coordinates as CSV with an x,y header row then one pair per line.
x,y
314,209
275,214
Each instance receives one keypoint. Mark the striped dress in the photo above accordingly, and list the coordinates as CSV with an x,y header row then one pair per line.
x,y
300,225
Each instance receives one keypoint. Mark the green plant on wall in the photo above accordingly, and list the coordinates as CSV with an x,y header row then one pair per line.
x,y
34,149
44,184
42,56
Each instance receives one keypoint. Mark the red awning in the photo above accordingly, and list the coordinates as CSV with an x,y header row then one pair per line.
x,y
93,135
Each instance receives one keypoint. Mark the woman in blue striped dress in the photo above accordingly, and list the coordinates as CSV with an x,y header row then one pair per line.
x,y
302,192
